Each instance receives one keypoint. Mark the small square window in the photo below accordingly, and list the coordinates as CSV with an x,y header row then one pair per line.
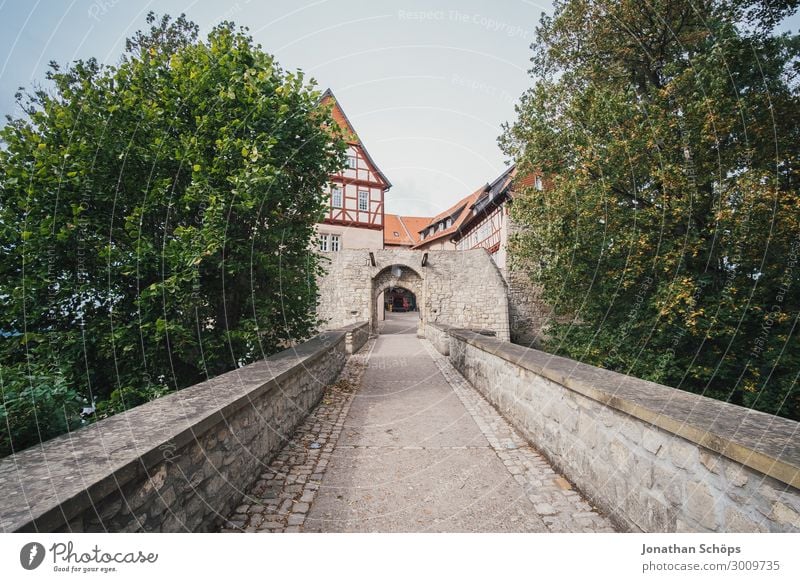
x,y
352,162
363,200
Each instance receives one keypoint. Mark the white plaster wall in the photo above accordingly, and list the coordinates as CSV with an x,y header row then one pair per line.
x,y
353,237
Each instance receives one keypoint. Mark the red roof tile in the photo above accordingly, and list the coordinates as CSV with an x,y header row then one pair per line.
x,y
461,209
406,227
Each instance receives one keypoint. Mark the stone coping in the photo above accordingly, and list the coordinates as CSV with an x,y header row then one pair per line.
x,y
766,443
50,483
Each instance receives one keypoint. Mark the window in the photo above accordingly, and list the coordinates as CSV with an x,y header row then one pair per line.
x,y
352,162
336,196
538,183
329,242
449,223
363,200
396,234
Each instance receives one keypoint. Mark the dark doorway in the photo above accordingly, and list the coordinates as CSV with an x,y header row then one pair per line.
x,y
399,300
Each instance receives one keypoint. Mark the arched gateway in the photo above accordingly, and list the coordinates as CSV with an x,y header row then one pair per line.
x,y
389,279
460,288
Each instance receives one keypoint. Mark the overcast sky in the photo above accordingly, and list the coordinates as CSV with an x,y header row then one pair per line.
x,y
426,84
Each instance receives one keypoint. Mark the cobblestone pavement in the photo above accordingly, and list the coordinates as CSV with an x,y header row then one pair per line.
x,y
280,499
553,497
403,443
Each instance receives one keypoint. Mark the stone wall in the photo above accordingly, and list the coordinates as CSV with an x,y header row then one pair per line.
x,y
462,288
655,458
529,315
179,463
357,336
439,336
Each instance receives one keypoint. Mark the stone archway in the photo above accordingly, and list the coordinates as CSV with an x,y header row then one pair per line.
x,y
394,276
462,289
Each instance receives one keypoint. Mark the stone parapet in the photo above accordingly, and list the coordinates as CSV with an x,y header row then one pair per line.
x,y
178,463
356,335
439,336
655,458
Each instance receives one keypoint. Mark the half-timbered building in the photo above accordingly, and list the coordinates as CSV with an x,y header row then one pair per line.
x,y
480,220
441,231
355,214
487,225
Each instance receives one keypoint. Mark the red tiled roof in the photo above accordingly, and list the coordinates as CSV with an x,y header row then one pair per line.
x,y
340,117
409,227
460,209
528,180
406,227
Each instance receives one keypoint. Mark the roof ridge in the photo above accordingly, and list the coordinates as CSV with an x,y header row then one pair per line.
x,y
405,228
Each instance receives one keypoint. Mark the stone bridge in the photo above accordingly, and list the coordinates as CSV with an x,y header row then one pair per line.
x,y
422,421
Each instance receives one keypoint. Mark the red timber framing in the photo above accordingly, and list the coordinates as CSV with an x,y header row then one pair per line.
x,y
485,227
361,182
484,234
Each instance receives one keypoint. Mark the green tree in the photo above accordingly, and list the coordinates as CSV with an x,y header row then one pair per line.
x,y
156,220
670,236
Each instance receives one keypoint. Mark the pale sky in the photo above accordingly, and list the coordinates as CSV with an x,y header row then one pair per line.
x,y
427,85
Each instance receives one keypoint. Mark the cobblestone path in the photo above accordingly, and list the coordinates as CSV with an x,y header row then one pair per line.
x,y
403,443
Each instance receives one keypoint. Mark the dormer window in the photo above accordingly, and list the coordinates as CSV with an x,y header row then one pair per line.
x,y
396,234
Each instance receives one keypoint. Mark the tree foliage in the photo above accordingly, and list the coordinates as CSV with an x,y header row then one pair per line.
x,y
155,224
669,239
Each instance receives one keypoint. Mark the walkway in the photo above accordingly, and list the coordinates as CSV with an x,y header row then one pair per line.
x,y
403,444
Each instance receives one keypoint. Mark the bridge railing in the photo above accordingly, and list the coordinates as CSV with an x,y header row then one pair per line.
x,y
178,463
655,458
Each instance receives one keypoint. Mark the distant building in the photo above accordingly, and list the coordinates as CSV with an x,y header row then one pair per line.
x,y
479,220
441,230
355,216
483,220
356,219
486,225
402,231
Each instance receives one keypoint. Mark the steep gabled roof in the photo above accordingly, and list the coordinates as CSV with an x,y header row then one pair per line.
x,y
341,118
